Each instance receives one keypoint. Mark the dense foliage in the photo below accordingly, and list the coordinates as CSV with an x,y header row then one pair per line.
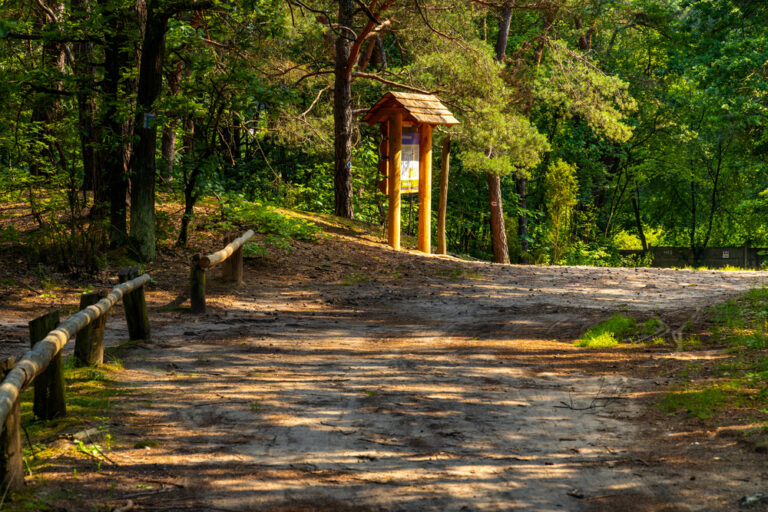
x,y
610,124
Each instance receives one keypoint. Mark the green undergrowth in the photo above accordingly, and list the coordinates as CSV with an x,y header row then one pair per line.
x,y
278,229
608,333
738,382
725,268
701,403
622,329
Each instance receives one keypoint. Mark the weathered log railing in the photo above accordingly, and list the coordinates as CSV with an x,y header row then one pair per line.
x,y
231,256
43,363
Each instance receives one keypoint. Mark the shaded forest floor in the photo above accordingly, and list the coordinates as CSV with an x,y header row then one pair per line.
x,y
346,376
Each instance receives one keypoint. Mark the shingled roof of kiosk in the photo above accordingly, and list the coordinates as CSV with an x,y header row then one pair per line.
x,y
417,109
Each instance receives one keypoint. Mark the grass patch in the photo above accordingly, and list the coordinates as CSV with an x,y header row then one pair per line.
x,y
689,343
650,326
701,403
355,278
458,273
602,340
738,382
608,333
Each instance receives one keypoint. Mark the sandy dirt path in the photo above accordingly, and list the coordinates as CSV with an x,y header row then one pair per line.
x,y
448,390
363,379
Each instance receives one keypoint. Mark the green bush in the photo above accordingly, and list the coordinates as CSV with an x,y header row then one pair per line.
x,y
608,333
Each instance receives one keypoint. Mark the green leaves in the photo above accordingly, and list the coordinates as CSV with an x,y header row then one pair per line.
x,y
5,28
572,82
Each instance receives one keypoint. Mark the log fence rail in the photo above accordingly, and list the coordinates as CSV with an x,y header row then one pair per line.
x,y
42,364
232,258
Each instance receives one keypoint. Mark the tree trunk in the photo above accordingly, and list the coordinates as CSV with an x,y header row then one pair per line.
x,y
86,100
47,111
522,181
168,142
189,208
501,41
145,133
639,221
498,233
193,141
442,205
693,220
382,53
713,201
168,152
498,229
116,91
522,226
342,114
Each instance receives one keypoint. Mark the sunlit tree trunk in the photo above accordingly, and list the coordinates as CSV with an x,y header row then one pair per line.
x,y
498,229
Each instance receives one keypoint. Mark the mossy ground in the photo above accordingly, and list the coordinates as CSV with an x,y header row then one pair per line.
x,y
83,434
736,385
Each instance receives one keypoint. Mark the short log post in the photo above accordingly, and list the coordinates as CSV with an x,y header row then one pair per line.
x,y
49,385
89,344
11,461
233,266
197,286
135,306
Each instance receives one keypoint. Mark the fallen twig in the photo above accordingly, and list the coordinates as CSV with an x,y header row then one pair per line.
x,y
594,404
97,448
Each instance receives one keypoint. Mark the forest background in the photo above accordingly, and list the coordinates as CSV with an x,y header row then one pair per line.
x,y
586,125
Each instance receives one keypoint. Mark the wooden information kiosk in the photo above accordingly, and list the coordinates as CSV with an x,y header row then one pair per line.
x,y
420,113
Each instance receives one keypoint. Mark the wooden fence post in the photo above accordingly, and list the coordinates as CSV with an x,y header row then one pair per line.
x,y
227,266
442,205
49,385
89,344
135,306
11,461
197,286
233,266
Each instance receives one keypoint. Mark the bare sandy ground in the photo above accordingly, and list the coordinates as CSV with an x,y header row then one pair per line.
x,y
409,385
433,394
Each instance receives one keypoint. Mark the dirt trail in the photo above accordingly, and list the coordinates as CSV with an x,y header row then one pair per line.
x,y
410,383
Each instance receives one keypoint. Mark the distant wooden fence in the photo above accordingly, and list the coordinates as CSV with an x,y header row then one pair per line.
x,y
713,257
43,363
232,258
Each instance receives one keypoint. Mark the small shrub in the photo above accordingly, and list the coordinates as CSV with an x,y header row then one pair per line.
x,y
609,332
650,326
689,343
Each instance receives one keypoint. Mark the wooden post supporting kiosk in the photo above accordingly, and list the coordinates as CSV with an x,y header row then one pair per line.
x,y
420,113
393,178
